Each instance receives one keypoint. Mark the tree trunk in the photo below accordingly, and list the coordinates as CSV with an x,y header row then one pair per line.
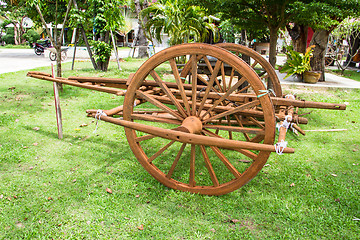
x,y
103,66
273,42
85,39
16,34
320,40
142,40
354,44
300,43
22,30
58,63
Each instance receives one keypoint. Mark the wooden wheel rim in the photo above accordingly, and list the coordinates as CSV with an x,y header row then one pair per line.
x,y
239,65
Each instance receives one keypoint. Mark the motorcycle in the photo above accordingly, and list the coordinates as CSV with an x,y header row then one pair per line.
x,y
39,48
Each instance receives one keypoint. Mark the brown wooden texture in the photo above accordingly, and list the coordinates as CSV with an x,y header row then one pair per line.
x,y
207,162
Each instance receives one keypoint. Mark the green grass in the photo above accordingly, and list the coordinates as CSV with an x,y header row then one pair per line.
x,y
51,188
21,46
354,75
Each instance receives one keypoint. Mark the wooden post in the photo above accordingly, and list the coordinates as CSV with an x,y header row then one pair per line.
x,y
75,45
57,106
115,49
85,40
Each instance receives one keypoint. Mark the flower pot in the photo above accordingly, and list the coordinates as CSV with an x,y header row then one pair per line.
x,y
311,76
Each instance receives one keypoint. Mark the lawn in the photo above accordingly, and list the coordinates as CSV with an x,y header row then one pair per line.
x,y
354,75
60,189
22,46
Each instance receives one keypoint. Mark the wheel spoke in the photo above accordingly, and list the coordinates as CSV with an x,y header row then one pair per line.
x,y
247,153
168,92
241,125
210,84
208,64
193,83
229,123
152,100
209,166
227,113
257,138
256,122
143,138
224,96
203,80
254,64
180,84
160,151
185,71
263,74
223,76
218,129
171,171
226,162
244,89
231,76
192,167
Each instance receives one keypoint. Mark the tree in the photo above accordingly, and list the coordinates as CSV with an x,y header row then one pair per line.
x,y
324,16
349,31
255,15
182,22
14,12
141,36
54,12
99,17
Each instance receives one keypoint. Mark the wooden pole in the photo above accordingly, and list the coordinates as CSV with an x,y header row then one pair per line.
x,y
115,49
85,40
75,45
57,106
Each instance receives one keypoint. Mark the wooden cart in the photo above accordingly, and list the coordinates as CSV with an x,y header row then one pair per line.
x,y
198,118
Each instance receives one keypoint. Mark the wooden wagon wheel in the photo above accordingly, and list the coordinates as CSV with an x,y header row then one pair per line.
x,y
184,141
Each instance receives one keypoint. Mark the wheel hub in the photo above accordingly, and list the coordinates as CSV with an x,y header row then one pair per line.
x,y
191,124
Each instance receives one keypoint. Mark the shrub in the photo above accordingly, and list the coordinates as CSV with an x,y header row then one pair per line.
x,y
8,38
31,36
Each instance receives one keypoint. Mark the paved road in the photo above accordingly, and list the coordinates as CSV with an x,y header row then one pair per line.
x,y
12,60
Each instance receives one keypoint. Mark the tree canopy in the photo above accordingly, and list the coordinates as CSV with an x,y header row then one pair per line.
x,y
256,15
183,22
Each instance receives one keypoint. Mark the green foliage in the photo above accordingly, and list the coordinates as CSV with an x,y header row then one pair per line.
x,y
297,63
349,28
77,17
227,31
183,23
31,36
104,14
324,14
9,36
102,51
53,11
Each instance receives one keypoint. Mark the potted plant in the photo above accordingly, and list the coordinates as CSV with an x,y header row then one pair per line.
x,y
299,64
